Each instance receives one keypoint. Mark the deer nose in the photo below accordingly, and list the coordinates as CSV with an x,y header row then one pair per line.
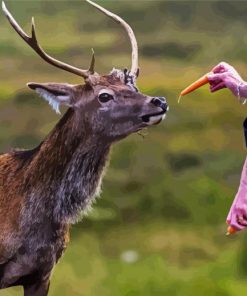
x,y
160,102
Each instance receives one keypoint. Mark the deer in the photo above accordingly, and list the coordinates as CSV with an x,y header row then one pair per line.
x,y
43,191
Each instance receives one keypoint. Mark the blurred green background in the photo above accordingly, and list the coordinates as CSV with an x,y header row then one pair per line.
x,y
159,227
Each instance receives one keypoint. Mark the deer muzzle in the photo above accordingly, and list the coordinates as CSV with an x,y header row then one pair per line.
x,y
156,117
160,102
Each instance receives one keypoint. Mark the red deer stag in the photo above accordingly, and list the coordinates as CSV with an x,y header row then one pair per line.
x,y
44,190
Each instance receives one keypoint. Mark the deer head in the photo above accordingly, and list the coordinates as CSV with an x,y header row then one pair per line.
x,y
110,105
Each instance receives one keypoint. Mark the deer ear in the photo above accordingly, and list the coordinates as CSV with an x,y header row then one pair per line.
x,y
54,93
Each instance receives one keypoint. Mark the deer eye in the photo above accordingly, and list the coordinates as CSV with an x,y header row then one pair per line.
x,y
105,97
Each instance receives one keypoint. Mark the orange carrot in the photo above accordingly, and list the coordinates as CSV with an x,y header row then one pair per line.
x,y
231,230
198,83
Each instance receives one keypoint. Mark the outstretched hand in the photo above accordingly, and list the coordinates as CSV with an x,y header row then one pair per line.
x,y
237,216
225,76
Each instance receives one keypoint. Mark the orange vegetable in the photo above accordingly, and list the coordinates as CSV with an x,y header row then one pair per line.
x,y
198,83
231,230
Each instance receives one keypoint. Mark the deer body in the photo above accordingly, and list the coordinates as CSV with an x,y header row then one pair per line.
x,y
45,209
44,190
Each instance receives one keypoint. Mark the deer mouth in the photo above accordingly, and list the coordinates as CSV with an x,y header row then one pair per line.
x,y
154,118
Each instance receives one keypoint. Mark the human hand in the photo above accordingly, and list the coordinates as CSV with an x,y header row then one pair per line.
x,y
225,76
237,217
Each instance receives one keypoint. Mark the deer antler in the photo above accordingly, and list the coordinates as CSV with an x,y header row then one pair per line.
x,y
134,67
33,43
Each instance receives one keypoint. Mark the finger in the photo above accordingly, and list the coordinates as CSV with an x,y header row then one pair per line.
x,y
241,208
214,83
217,86
234,223
221,68
241,216
216,77
242,221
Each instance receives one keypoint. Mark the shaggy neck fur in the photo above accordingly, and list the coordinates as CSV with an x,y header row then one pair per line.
x,y
62,176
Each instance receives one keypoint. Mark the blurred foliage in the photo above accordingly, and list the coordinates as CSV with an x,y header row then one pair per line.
x,y
165,196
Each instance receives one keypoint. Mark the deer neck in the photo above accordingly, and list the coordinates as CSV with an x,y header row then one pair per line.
x,y
65,173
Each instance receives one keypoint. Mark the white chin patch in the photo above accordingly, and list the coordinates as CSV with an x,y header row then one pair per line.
x,y
156,119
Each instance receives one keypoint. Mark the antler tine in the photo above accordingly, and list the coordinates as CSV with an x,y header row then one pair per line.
x,y
92,64
134,66
33,43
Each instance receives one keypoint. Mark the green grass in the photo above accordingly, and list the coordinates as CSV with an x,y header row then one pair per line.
x,y
172,259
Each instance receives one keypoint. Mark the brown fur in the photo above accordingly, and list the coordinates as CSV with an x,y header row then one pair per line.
x,y
44,190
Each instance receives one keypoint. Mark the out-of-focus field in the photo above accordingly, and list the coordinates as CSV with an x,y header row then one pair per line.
x,y
159,228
